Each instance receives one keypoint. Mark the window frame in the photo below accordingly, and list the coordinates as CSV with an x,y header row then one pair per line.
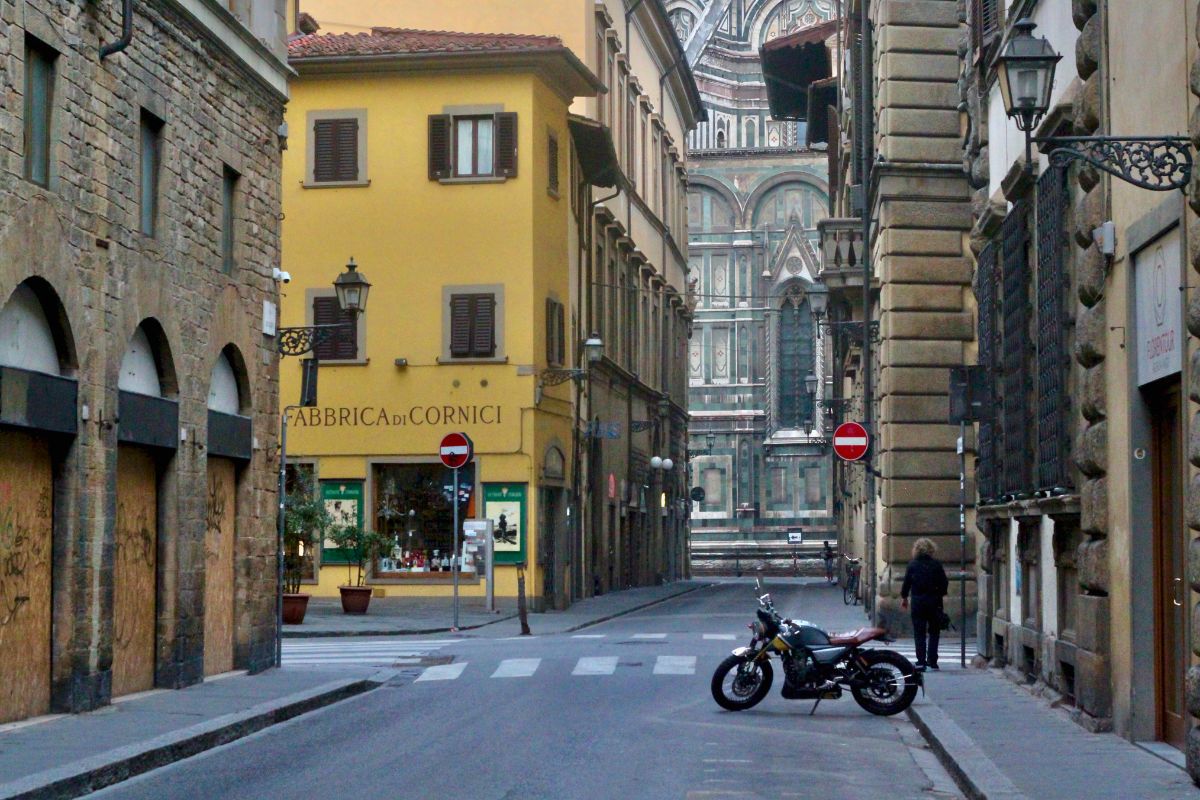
x,y
310,158
150,152
475,119
230,185
499,355
36,49
360,358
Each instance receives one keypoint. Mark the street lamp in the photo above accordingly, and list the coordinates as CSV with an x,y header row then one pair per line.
x,y
711,441
1025,68
351,288
593,352
818,302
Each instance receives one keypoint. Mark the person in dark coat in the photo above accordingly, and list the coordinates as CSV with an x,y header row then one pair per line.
x,y
926,582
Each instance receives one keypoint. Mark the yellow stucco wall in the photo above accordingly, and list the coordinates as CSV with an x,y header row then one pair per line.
x,y
411,237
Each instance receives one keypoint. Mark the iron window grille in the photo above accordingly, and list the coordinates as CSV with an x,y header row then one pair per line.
x,y
988,471
1016,354
1054,438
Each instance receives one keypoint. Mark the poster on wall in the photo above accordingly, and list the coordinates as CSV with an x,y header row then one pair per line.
x,y
505,505
343,501
1158,274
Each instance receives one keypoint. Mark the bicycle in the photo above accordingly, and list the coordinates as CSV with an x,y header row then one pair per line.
x,y
850,590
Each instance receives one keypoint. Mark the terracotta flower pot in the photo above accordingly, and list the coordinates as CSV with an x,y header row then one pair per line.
x,y
294,608
355,599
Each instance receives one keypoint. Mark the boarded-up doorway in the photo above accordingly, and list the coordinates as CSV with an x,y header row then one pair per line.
x,y
219,543
135,562
25,559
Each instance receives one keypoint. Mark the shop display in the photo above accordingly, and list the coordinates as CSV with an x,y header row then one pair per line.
x,y
413,509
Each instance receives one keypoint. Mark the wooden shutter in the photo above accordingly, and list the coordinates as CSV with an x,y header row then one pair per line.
x,y
551,349
986,22
460,325
344,344
556,348
439,147
335,150
552,158
506,145
834,153
483,326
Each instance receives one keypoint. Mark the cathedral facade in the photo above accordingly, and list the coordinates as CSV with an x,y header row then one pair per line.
x,y
757,189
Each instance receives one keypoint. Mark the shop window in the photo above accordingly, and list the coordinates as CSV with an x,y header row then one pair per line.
x,y
39,110
298,558
414,511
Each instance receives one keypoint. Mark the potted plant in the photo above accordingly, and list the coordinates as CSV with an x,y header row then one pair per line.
x,y
305,521
360,547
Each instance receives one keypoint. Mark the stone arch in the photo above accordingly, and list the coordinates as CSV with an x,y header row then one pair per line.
x,y
147,366
229,383
762,192
769,19
723,208
750,132
35,332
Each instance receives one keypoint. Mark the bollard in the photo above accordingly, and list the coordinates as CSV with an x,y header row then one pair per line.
x,y
522,613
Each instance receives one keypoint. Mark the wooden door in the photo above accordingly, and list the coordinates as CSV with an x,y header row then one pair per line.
x,y
135,572
26,522
1170,561
219,542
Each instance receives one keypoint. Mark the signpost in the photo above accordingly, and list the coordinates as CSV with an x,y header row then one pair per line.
x,y
970,401
850,441
456,452
697,494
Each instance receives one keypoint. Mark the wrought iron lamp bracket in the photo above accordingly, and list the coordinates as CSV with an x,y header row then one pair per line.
x,y
553,377
639,425
302,340
1157,163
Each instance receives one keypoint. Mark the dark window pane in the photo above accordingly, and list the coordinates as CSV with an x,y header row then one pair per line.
x,y
39,106
229,183
151,155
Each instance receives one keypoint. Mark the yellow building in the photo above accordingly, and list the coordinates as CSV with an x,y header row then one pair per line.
x,y
442,164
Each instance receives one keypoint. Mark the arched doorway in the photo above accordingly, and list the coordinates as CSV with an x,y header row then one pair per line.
x,y
147,436
36,351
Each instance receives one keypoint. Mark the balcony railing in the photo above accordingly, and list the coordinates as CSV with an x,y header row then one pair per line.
x,y
841,252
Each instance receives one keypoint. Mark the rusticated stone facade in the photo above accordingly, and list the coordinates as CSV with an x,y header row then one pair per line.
x,y
218,89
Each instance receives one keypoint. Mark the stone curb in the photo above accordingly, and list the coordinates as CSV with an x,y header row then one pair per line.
x,y
614,615
300,634
972,770
97,772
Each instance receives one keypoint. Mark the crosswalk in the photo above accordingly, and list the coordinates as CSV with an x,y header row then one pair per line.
x,y
587,666
375,652
948,656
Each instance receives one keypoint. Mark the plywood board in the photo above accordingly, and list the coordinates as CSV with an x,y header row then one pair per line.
x,y
135,561
219,543
26,522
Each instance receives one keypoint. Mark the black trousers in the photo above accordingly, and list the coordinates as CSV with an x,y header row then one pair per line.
x,y
926,616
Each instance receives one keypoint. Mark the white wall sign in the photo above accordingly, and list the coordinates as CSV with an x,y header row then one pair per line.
x,y
269,312
1157,277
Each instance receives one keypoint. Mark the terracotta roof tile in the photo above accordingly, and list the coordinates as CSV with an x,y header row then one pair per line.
x,y
400,41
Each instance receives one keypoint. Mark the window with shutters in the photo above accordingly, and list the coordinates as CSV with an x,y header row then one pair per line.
x,y
472,146
987,21
556,333
343,344
552,164
337,148
39,110
473,323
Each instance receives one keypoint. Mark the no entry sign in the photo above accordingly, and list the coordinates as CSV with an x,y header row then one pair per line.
x,y
850,441
456,450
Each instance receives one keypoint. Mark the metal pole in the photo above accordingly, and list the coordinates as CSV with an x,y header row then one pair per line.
x,y
962,539
454,566
491,570
279,538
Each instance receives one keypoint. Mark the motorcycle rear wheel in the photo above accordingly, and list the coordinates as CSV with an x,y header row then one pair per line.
x,y
749,685
884,695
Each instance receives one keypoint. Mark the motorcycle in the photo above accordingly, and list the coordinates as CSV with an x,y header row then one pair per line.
x,y
816,666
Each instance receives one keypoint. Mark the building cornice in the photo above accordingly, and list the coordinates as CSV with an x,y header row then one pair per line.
x,y
225,32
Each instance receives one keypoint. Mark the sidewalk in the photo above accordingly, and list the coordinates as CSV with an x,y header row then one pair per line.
x,y
71,755
1000,741
394,616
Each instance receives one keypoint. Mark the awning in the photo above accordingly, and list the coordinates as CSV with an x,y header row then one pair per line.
x,y
595,150
822,103
793,63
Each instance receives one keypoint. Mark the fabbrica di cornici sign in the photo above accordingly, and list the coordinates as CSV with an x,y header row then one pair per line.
x,y
384,416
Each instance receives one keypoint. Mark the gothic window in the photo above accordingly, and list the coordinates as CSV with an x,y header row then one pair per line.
x,y
796,362
751,138
721,139
743,355
682,20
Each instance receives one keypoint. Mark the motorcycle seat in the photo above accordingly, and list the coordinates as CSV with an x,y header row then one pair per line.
x,y
855,637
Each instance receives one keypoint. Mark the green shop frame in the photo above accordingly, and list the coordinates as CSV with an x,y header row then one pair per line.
x,y
344,502
506,504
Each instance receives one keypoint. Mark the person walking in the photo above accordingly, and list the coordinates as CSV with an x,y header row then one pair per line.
x,y
926,582
830,557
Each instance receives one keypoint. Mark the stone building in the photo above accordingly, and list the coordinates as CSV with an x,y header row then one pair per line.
x,y
757,192
906,175
1087,321
139,208
628,260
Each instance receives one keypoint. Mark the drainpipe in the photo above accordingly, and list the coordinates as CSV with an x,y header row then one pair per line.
x,y
126,32
865,131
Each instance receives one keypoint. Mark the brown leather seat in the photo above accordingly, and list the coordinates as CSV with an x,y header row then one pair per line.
x,y
855,637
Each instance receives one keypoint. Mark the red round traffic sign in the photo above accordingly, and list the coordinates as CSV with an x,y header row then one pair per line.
x,y
456,450
850,441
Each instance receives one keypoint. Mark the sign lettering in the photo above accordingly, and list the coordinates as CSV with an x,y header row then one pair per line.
x,y
382,416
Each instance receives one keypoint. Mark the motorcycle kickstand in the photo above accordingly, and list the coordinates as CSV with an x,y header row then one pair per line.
x,y
814,708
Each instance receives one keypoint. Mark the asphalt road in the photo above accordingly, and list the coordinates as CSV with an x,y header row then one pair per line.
x,y
619,710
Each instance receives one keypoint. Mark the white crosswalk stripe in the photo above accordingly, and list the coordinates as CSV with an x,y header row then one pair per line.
x,y
720,637
675,665
595,665
947,657
517,668
442,672
335,652
649,636
588,636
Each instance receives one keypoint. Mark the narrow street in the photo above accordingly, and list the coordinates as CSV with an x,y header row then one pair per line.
x,y
619,709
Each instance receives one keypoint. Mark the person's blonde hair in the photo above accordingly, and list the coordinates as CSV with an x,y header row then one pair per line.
x,y
924,547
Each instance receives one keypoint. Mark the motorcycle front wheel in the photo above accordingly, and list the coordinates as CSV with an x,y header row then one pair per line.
x,y
739,684
890,685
